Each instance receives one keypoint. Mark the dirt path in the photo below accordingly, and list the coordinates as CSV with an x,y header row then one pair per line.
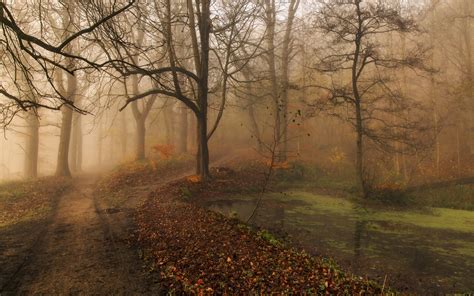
x,y
84,250
81,254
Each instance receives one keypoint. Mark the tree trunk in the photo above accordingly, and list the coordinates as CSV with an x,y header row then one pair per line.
x,y
123,134
141,130
62,168
251,112
140,116
204,30
437,142
203,149
183,130
458,148
79,145
32,145
270,36
358,112
168,116
75,157
73,145
99,144
360,152
254,126
285,63
469,77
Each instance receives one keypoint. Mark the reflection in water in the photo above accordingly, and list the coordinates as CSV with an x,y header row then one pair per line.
x,y
230,208
243,209
360,230
416,259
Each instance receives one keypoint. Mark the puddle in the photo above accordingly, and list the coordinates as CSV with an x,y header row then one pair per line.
x,y
429,252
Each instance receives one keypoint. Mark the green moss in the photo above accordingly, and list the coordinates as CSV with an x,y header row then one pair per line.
x,y
185,192
341,246
448,219
269,237
438,218
315,202
464,248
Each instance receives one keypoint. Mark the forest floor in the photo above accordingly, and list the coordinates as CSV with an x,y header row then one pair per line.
x,y
144,229
198,251
63,237
93,239
79,251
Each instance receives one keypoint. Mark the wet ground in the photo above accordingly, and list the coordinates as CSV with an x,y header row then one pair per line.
x,y
428,251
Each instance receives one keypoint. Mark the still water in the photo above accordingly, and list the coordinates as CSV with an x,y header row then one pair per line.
x,y
427,251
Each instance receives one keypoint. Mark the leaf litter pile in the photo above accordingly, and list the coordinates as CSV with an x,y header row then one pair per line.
x,y
199,251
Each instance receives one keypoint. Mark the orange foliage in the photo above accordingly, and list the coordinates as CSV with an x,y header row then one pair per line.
x,y
194,179
279,165
165,151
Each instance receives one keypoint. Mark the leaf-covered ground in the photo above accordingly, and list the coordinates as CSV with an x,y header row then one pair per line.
x,y
26,208
116,187
196,250
27,200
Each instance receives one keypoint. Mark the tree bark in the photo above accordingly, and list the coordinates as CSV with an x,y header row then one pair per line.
x,y
75,157
62,168
204,30
140,116
99,144
285,63
140,150
469,78
270,11
183,130
168,118
32,145
123,134
358,110
203,150
255,128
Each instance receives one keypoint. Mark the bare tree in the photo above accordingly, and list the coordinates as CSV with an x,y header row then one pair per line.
x,y
34,56
178,79
355,61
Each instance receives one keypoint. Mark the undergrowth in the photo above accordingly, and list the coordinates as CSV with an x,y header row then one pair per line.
x,y
387,192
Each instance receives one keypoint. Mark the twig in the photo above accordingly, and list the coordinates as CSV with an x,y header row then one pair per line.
x,y
383,286
265,184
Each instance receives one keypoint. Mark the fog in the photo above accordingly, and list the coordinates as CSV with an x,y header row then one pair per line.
x,y
419,111
370,100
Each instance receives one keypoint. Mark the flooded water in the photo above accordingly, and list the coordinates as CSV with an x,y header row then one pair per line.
x,y
429,251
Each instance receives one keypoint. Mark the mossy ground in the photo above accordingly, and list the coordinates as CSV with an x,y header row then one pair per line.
x,y
435,244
